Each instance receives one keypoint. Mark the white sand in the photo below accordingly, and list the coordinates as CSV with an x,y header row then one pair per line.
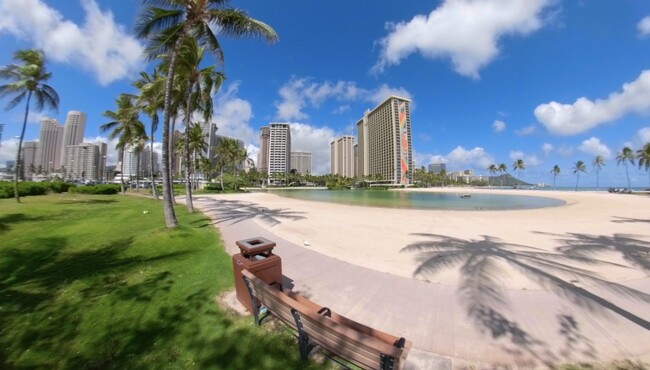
x,y
374,237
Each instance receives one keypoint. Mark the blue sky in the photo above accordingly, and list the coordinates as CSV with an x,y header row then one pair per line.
x,y
548,81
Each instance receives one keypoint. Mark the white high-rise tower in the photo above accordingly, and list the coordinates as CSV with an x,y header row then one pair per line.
x,y
73,131
48,154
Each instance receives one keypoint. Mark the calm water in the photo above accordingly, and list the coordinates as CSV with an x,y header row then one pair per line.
x,y
422,200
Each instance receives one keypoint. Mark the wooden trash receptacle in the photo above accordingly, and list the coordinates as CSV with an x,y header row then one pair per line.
x,y
255,255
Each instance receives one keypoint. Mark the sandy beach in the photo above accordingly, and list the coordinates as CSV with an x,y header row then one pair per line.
x,y
584,266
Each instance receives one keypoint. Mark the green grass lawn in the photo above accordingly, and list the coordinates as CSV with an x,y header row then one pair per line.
x,y
96,282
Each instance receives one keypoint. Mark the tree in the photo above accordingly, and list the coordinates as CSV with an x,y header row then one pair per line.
x,y
502,168
643,155
518,166
555,171
150,102
27,79
624,156
166,26
197,144
597,164
138,144
578,167
125,126
492,169
443,175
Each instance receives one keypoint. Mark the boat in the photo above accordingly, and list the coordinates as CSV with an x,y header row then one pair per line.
x,y
465,196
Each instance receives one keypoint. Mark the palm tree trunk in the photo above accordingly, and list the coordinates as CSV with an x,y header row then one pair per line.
x,y
577,179
154,192
627,173
122,172
137,173
221,179
188,164
168,205
19,166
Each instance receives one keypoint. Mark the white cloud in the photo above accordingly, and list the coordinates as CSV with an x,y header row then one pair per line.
x,y
547,148
643,136
8,150
565,151
300,93
643,27
525,131
315,140
100,46
594,147
530,160
233,115
498,126
465,31
584,114
461,159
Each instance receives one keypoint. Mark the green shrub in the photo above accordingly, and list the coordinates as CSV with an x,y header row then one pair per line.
x,y
104,189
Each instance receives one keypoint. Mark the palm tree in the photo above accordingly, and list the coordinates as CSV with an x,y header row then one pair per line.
x,y
166,26
518,166
138,144
598,163
150,101
502,168
578,167
125,125
643,155
197,145
26,80
624,156
555,171
492,169
443,175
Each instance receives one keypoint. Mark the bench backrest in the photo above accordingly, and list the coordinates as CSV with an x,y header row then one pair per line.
x,y
353,341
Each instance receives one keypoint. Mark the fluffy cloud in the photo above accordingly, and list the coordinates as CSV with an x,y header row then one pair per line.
x,y
594,147
643,135
529,160
547,148
643,27
300,93
465,31
316,140
8,150
99,45
461,159
584,114
525,131
498,126
233,115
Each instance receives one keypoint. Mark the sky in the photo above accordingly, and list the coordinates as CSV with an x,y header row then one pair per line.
x,y
490,81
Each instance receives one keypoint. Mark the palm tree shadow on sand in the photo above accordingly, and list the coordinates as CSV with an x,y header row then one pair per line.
x,y
481,262
235,211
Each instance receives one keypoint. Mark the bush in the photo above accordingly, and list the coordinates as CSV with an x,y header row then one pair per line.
x,y
105,189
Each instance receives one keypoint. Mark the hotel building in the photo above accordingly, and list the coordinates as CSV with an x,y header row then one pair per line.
x,y
73,131
48,154
342,157
301,162
384,142
278,149
263,155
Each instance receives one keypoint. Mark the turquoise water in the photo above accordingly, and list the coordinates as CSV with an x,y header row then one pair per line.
x,y
422,200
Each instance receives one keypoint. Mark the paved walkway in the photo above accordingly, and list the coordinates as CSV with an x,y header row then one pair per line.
x,y
449,327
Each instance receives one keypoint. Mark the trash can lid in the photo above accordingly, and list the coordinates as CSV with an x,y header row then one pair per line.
x,y
254,246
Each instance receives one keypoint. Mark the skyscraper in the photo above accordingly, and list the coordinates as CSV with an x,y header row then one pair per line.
x,y
82,162
301,162
342,157
275,149
28,158
48,154
384,142
73,130
263,155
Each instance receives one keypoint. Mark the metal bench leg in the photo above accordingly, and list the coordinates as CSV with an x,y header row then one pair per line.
x,y
303,338
256,305
386,362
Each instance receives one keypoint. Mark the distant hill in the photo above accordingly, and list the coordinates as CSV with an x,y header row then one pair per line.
x,y
506,180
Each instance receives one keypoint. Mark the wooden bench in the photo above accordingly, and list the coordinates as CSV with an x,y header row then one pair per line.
x,y
354,342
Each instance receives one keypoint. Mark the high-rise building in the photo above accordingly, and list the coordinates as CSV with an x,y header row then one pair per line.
x,y
82,162
275,148
301,162
384,142
436,168
209,130
342,161
48,154
73,131
263,155
137,164
28,158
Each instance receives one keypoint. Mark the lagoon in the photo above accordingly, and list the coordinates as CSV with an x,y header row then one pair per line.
x,y
422,200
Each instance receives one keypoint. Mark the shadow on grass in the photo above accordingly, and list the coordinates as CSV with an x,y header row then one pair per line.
x,y
234,211
14,218
480,262
87,201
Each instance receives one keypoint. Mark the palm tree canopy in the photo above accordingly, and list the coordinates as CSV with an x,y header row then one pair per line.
x,y
579,166
643,155
598,162
124,123
519,165
163,22
625,155
28,77
492,168
556,170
